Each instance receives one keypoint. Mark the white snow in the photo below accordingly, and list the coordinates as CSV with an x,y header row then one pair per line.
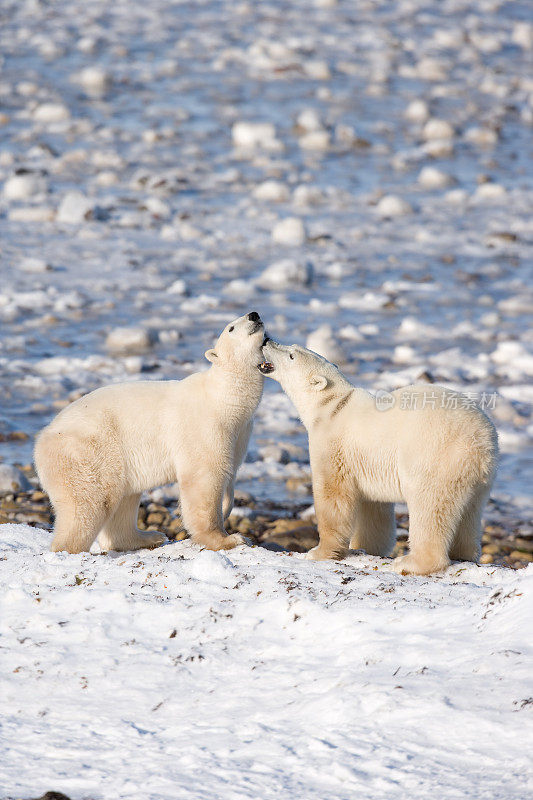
x,y
437,129
251,674
94,79
417,111
128,340
285,273
25,186
315,140
393,206
289,231
51,112
253,134
433,178
274,191
324,342
74,208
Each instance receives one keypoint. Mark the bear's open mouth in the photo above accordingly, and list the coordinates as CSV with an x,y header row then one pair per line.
x,y
265,340
265,367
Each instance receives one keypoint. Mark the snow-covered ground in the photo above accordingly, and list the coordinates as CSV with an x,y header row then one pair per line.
x,y
253,674
359,173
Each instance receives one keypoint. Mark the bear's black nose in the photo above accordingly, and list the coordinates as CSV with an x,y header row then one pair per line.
x,y
253,316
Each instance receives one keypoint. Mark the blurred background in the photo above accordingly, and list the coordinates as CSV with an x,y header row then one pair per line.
x,y
358,172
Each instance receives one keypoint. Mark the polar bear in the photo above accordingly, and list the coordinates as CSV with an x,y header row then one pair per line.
x,y
429,447
102,451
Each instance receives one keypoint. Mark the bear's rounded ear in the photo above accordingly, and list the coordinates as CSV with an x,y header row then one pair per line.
x,y
318,382
211,355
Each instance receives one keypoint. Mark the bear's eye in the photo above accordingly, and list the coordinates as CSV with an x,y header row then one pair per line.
x,y
291,356
230,329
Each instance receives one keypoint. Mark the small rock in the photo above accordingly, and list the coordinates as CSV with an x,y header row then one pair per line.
x,y
51,112
393,206
253,134
285,274
129,340
482,137
299,485
324,343
273,452
74,208
433,178
13,480
32,214
523,35
315,140
437,129
431,69
273,191
317,70
34,265
157,207
519,555
309,120
305,195
93,79
439,148
490,192
24,186
457,197
290,231
486,558
417,111
178,287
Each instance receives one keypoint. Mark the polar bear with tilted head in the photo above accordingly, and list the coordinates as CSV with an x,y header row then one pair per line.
x,y
424,445
102,451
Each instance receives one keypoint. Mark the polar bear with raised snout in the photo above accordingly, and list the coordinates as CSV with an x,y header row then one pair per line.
x,y
101,452
430,449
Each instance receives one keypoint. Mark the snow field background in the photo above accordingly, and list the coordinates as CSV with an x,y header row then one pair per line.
x,y
187,673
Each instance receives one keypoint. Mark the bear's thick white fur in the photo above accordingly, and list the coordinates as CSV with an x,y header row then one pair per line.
x,y
100,453
438,459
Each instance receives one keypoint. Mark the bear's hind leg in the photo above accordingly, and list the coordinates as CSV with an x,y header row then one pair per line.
x,y
76,525
466,544
434,513
374,528
120,530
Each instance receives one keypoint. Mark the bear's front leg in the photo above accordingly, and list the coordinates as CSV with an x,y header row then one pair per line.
x,y
334,512
201,499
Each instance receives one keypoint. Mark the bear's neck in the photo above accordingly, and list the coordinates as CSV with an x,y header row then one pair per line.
x,y
317,408
240,394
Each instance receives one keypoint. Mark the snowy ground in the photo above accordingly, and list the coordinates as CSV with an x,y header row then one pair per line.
x,y
251,674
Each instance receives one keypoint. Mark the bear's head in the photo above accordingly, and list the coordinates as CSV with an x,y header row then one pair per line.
x,y
239,345
304,375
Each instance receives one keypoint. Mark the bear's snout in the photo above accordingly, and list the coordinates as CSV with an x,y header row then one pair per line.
x,y
253,316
